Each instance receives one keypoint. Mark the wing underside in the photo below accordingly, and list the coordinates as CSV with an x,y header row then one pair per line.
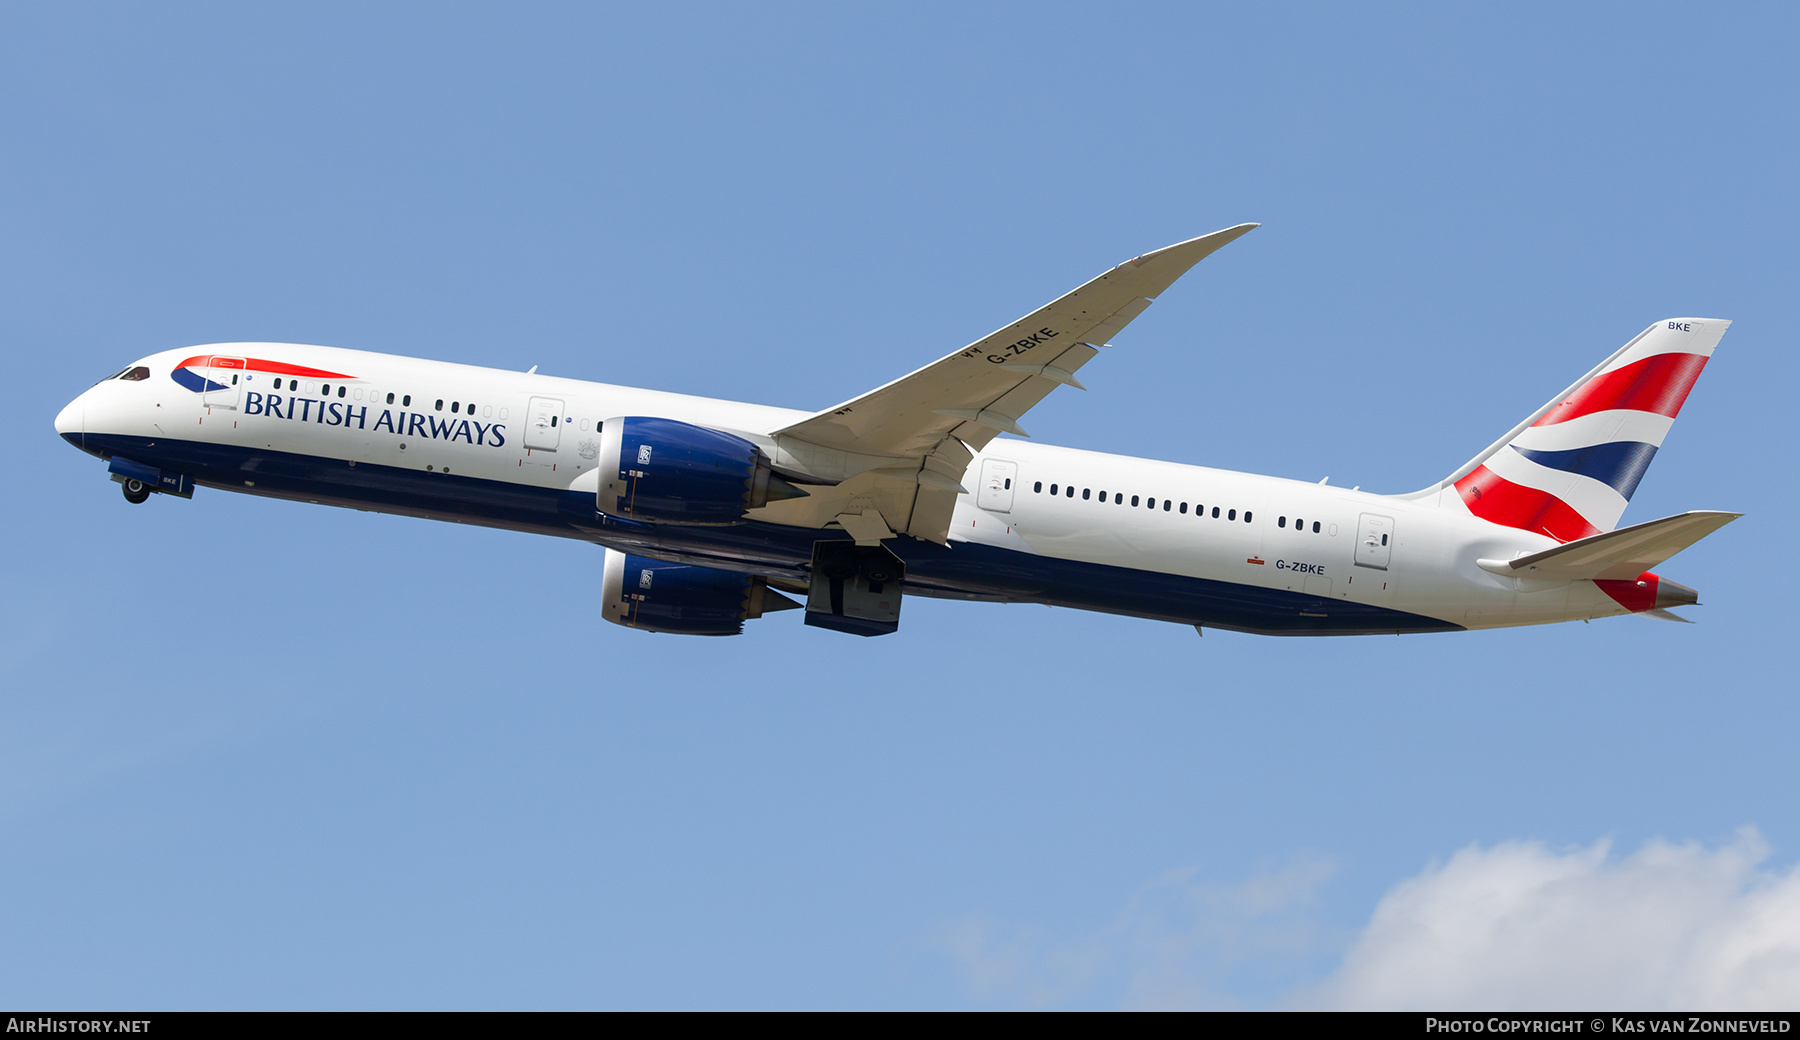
x,y
901,449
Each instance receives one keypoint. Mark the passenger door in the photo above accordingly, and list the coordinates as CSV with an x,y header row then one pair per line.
x,y
225,373
995,493
1374,537
543,424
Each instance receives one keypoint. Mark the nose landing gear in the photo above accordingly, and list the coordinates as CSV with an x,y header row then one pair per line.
x,y
139,481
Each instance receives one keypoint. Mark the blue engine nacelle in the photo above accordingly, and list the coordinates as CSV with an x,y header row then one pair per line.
x,y
638,592
675,472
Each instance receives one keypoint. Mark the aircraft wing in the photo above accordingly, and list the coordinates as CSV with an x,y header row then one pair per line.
x,y
929,421
984,388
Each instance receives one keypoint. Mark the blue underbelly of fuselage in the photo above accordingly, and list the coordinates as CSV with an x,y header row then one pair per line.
x,y
961,570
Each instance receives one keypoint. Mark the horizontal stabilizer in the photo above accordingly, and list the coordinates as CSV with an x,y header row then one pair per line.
x,y
1665,615
1616,555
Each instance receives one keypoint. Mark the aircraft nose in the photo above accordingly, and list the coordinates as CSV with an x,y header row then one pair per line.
x,y
69,421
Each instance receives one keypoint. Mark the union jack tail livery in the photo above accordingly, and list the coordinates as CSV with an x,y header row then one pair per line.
x,y
1569,470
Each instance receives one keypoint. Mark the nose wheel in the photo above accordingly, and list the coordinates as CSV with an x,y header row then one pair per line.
x,y
136,491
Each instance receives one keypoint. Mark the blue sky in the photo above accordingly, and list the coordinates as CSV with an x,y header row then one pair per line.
x,y
259,754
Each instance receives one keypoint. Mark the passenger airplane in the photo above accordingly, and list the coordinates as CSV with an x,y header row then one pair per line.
x,y
709,509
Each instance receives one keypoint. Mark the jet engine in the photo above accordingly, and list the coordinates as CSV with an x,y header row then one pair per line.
x,y
673,597
675,472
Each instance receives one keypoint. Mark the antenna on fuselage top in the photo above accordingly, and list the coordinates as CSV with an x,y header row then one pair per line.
x,y
532,371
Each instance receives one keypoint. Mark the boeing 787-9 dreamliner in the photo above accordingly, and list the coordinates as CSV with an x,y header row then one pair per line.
x,y
710,510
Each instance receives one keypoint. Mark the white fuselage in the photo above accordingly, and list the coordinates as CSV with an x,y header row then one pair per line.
x,y
340,440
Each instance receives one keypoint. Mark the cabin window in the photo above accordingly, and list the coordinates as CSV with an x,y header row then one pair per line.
x,y
455,408
1166,505
1085,492
1118,498
470,408
1281,521
1184,508
1246,516
1134,500
1384,539
1053,489
1102,496
326,390
1037,488
1069,492
340,389
1315,527
1215,512
440,405
390,399
406,401
1007,485
553,420
1231,515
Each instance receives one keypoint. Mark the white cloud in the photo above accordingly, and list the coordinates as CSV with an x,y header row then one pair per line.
x,y
1520,925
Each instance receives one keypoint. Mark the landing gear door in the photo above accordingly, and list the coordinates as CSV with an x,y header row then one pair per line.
x,y
543,424
996,492
223,378
1374,538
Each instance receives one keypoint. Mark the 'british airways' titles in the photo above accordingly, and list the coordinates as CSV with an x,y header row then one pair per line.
x,y
404,424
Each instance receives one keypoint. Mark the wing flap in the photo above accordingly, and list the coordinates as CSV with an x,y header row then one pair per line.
x,y
1115,322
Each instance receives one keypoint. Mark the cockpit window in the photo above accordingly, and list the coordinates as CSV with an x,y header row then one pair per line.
x,y
135,375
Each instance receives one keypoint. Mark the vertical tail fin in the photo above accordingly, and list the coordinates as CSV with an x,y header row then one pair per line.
x,y
1570,468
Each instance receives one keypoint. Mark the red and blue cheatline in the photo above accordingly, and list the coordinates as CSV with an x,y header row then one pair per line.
x,y
202,373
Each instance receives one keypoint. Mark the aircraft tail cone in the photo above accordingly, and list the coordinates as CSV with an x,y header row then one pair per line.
x,y
1674,594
